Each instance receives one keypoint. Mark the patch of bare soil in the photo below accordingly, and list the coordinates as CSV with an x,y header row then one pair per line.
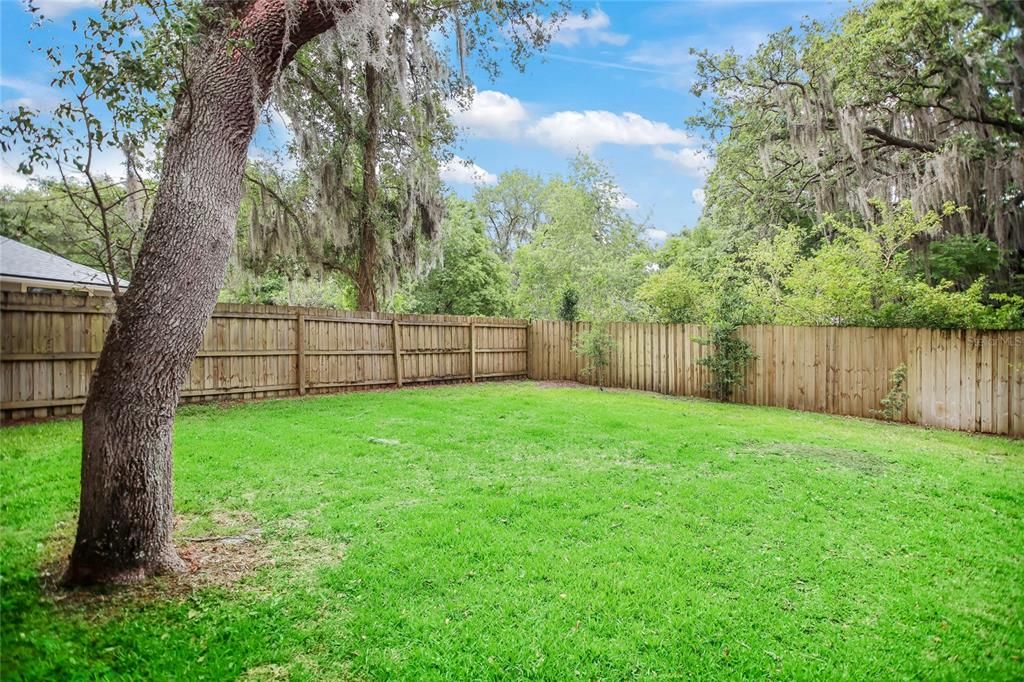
x,y
230,547
222,561
834,457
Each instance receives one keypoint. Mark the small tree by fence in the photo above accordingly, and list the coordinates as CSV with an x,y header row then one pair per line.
x,y
728,362
597,347
896,399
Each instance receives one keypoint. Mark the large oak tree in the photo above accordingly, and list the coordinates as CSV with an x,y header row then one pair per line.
x,y
228,56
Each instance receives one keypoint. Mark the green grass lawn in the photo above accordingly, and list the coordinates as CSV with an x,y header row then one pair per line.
x,y
509,531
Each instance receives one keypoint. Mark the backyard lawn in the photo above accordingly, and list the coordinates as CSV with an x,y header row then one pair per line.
x,y
513,530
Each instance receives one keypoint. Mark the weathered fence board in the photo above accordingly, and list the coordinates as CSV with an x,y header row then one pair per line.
x,y
956,379
49,344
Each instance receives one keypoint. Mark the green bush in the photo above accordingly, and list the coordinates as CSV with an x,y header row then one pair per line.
x,y
896,399
597,346
568,307
728,362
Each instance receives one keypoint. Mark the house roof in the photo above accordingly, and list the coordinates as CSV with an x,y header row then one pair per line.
x,y
21,261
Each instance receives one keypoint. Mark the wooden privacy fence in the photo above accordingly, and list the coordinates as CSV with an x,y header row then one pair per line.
x,y
965,380
956,379
49,345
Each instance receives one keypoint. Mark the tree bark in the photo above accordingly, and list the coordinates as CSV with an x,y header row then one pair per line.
x,y
366,274
126,508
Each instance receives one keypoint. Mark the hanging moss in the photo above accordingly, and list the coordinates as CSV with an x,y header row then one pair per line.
x,y
323,95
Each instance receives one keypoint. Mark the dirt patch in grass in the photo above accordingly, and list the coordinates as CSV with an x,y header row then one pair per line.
x,y
220,549
834,457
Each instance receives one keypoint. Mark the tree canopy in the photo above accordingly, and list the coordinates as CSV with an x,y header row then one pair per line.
x,y
914,101
470,279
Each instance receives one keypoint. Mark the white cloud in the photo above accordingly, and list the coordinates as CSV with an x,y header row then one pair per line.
x,y
699,196
29,94
10,178
491,114
626,202
590,30
55,9
655,236
585,130
692,161
618,198
463,172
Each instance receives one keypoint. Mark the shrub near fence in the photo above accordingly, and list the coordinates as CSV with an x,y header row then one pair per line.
x,y
956,379
49,345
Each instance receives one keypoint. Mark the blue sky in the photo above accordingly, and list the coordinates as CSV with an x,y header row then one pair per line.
x,y
614,84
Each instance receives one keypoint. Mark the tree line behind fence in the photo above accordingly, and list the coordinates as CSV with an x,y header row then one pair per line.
x,y
955,379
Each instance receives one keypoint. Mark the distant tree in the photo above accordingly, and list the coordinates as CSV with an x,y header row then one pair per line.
x,y
101,228
916,100
585,243
512,209
471,279
366,200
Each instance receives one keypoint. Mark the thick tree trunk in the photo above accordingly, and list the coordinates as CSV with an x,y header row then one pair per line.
x,y
126,516
366,274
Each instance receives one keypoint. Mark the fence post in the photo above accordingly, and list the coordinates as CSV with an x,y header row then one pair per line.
x,y
472,351
529,340
300,343
396,343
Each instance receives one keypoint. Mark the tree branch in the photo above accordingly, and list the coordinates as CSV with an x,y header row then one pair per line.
x,y
894,141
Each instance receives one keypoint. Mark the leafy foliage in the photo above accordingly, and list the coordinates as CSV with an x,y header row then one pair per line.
x,y
675,295
586,244
896,398
471,279
597,346
960,259
832,272
568,309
